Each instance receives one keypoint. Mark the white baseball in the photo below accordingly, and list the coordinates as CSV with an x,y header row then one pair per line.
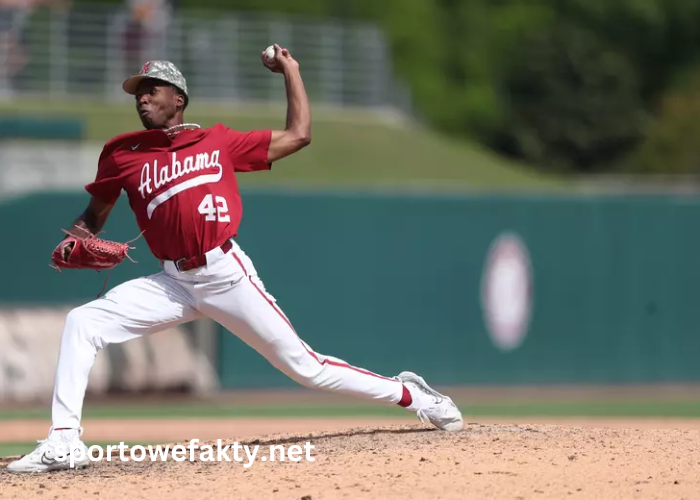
x,y
270,53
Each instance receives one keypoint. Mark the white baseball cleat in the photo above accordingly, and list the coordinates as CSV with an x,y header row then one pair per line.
x,y
54,453
431,406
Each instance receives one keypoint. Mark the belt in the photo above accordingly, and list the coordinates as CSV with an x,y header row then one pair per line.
x,y
187,264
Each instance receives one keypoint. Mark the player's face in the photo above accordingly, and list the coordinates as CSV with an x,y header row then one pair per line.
x,y
157,104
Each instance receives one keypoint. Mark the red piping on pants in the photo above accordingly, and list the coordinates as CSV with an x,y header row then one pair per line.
x,y
313,354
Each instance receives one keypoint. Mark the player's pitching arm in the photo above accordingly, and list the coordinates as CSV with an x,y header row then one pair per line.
x,y
297,132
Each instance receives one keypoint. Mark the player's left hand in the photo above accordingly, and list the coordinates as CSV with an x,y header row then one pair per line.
x,y
86,251
282,62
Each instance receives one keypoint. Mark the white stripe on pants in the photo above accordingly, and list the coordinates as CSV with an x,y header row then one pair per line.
x,y
229,291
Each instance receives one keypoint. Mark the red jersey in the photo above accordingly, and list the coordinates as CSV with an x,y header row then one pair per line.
x,y
183,190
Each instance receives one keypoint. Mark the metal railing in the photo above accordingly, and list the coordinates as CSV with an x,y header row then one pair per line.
x,y
88,51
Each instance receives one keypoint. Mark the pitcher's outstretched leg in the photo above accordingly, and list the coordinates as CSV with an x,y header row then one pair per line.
x,y
244,307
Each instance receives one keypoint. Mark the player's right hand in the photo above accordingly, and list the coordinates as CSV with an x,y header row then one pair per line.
x,y
282,62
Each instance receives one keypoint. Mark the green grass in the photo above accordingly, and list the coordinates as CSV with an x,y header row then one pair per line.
x,y
631,409
348,150
679,409
574,409
179,411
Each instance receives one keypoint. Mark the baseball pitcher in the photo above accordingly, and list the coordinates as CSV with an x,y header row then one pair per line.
x,y
180,180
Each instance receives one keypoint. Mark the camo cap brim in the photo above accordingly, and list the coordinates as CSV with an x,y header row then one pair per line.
x,y
158,70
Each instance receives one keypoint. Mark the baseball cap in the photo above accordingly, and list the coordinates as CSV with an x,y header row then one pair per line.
x,y
160,70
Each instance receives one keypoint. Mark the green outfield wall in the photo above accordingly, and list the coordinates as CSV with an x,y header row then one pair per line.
x,y
474,289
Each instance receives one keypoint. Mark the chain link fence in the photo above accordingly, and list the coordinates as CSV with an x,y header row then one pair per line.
x,y
88,51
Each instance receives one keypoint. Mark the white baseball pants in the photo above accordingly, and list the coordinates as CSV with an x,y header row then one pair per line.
x,y
229,291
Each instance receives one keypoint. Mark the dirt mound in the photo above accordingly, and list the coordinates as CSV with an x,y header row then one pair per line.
x,y
406,462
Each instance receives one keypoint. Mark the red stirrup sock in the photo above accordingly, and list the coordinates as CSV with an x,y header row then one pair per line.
x,y
406,399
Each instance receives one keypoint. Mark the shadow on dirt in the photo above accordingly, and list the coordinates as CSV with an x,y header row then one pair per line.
x,y
360,431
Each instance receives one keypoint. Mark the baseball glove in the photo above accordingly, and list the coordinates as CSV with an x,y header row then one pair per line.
x,y
87,251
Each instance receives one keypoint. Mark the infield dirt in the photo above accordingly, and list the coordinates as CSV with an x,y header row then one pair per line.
x,y
389,459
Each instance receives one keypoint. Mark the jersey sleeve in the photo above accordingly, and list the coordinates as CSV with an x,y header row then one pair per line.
x,y
107,185
248,150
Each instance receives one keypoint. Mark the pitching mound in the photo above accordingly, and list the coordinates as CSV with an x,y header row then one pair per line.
x,y
408,462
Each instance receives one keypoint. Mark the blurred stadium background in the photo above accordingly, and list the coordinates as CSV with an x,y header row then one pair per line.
x,y
500,197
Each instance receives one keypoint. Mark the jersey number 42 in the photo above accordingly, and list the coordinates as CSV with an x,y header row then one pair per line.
x,y
214,208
